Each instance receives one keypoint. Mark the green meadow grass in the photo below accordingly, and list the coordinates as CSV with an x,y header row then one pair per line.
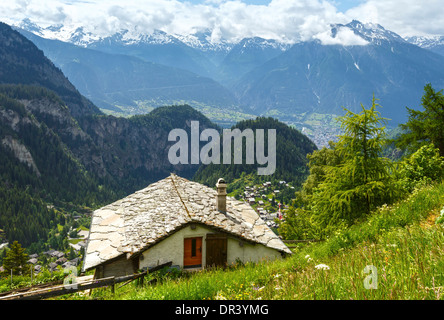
x,y
402,243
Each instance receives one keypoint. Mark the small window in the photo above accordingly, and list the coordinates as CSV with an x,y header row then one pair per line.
x,y
193,247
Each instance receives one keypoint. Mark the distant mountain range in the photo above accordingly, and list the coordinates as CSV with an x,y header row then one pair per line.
x,y
312,77
132,72
435,44
114,81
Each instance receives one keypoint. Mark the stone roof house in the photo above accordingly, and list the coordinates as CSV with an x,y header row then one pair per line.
x,y
181,221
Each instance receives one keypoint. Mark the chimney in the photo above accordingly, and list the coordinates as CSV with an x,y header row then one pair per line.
x,y
221,198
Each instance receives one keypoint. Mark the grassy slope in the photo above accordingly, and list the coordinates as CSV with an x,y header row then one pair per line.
x,y
402,242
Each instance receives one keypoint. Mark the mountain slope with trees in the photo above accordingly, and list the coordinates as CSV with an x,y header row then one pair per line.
x,y
59,153
132,81
292,148
23,63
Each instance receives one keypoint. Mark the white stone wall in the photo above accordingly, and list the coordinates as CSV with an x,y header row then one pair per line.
x,y
171,249
249,252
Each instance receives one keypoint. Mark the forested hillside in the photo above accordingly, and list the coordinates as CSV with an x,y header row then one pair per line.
x,y
292,148
43,149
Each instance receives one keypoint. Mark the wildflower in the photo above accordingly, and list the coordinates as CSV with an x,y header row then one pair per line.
x,y
322,267
277,275
440,219
219,296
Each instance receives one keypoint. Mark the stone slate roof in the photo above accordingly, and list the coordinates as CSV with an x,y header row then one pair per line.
x,y
148,216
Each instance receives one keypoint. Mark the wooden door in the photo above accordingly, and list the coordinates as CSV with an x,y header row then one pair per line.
x,y
192,257
216,253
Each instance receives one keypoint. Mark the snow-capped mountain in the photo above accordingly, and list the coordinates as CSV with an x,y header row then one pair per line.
x,y
342,66
78,36
128,38
247,55
426,42
71,34
433,43
206,41
261,44
373,32
313,76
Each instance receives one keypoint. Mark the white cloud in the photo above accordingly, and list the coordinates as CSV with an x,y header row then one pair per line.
x,y
405,17
344,36
285,20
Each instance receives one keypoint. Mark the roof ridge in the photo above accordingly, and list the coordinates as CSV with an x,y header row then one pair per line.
x,y
180,197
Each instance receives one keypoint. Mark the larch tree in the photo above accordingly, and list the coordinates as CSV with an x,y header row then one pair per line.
x,y
362,180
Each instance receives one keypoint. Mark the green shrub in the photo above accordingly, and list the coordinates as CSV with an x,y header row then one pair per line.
x,y
421,168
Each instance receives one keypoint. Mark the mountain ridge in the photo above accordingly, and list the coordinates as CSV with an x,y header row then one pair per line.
x,y
25,64
89,70
321,78
433,43
263,81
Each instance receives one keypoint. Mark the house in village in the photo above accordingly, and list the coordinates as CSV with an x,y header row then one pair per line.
x,y
181,221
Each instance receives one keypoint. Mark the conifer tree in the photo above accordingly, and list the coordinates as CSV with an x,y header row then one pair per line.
x,y
425,126
362,180
15,260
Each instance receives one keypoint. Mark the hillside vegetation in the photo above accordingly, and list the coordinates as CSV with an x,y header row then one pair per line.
x,y
381,221
403,242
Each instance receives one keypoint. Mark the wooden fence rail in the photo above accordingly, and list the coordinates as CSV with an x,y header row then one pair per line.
x,y
81,286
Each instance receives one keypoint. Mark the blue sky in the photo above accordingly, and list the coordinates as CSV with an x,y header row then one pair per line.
x,y
344,5
341,5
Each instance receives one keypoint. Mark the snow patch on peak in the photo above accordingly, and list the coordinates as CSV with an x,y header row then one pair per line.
x,y
205,41
426,41
261,43
30,26
357,33
373,32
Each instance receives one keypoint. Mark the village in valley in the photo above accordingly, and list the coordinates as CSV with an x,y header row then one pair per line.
x,y
58,260
268,199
